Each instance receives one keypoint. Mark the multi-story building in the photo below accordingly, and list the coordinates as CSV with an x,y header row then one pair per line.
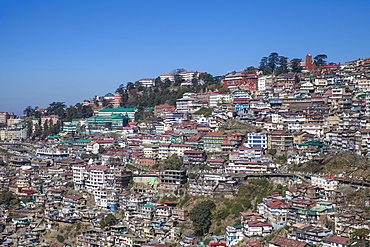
x,y
213,141
129,112
163,212
180,214
245,166
166,150
261,84
108,199
173,117
363,84
278,241
185,104
309,63
117,100
112,122
79,175
4,116
160,109
194,157
336,241
170,77
69,127
274,210
256,140
308,233
99,177
53,118
147,161
236,79
190,75
147,211
179,149
246,154
19,133
151,151
234,234
218,98
362,142
327,183
122,177
172,178
241,94
280,140
313,128
76,201
257,228
147,82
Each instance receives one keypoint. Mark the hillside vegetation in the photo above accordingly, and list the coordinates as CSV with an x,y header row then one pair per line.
x,y
227,211
345,163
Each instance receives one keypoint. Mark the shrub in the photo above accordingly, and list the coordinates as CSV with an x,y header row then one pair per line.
x,y
60,238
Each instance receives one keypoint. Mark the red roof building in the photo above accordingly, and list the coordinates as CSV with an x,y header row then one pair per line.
x,y
278,241
334,240
236,79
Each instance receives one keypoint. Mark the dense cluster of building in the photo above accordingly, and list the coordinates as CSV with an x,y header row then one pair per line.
x,y
312,212
315,213
107,163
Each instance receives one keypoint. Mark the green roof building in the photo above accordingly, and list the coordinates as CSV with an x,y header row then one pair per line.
x,y
129,112
110,122
69,128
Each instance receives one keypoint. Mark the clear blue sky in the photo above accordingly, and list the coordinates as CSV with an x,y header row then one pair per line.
x,y
71,50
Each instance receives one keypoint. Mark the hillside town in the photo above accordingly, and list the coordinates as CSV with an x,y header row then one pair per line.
x,y
134,176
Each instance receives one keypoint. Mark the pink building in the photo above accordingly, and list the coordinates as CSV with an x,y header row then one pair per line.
x,y
4,116
117,100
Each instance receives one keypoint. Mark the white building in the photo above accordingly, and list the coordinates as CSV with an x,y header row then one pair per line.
x,y
147,82
170,77
167,149
256,140
245,167
257,228
313,128
217,98
79,175
320,82
241,94
106,199
307,87
234,234
93,177
325,183
93,147
294,126
337,93
363,84
130,112
276,118
184,104
99,177
261,84
13,134
52,152
189,75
